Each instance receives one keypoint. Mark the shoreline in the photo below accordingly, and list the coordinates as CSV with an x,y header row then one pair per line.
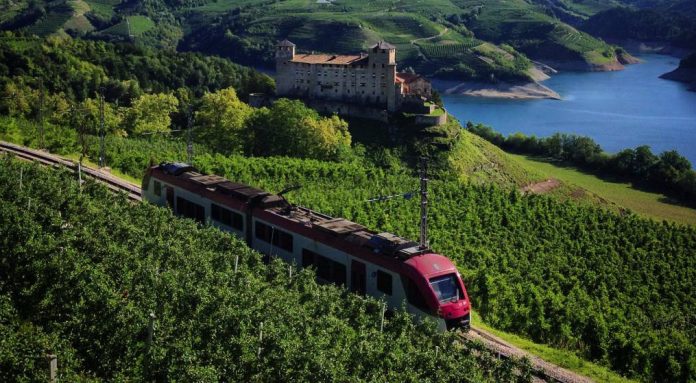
x,y
527,91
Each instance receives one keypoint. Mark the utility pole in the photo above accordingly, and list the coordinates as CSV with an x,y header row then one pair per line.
x,y
102,132
424,203
189,136
423,176
41,116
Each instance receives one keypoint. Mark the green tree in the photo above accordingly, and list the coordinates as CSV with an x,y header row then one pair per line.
x,y
150,113
289,128
221,120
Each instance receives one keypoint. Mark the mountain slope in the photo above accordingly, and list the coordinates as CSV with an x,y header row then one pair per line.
x,y
436,37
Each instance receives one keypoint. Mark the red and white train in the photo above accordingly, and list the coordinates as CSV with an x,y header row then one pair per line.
x,y
381,265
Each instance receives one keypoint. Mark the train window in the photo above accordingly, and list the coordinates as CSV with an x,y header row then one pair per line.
x,y
158,188
226,217
327,269
414,294
446,288
189,209
275,236
384,282
323,268
307,258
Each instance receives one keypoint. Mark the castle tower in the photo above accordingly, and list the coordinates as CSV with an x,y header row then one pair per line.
x,y
383,58
285,52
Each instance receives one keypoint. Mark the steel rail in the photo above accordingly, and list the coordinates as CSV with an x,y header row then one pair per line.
x,y
114,183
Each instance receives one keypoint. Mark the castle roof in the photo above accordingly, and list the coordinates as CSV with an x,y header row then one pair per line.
x,y
327,59
383,45
407,77
285,43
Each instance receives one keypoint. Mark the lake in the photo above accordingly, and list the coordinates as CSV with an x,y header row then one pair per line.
x,y
618,110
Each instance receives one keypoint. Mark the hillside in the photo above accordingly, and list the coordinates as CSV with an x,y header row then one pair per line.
x,y
657,25
686,72
436,37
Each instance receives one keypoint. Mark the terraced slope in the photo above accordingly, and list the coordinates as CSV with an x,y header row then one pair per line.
x,y
436,37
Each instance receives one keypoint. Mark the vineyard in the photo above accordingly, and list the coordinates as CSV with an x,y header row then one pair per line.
x,y
571,276
124,292
448,50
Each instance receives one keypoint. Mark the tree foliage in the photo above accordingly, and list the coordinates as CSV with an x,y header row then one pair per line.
x,y
669,173
289,128
221,120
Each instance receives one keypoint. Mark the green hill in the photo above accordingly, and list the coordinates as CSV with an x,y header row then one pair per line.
x,y
436,37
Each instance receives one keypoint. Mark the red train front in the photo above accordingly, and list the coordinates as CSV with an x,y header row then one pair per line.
x,y
445,293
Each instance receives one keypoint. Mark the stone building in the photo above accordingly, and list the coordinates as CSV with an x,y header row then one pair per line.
x,y
347,84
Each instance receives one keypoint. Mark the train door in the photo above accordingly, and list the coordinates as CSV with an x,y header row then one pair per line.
x,y
170,196
357,278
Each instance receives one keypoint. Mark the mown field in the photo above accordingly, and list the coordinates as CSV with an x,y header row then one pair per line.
x,y
615,195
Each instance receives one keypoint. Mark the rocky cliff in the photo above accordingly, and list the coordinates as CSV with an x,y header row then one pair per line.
x,y
686,72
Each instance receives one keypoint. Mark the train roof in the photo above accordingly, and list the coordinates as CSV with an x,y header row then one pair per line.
x,y
346,233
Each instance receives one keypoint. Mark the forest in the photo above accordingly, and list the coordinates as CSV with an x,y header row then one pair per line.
x,y
677,28
669,172
123,292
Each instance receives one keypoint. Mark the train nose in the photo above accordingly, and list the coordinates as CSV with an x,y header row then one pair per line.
x,y
462,323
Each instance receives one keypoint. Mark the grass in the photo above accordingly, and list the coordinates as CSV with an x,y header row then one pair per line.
x,y
563,358
88,162
103,8
614,194
138,26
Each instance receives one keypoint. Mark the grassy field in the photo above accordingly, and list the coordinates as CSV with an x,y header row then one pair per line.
x,y
616,195
563,358
138,26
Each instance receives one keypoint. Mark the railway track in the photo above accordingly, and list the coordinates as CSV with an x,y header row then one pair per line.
x,y
114,183
543,371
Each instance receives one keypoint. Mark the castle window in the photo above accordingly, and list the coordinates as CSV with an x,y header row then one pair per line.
x,y
382,65
374,65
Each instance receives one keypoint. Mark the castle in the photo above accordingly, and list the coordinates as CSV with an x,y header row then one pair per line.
x,y
363,85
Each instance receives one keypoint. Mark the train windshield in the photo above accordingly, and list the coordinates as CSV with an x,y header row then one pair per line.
x,y
446,288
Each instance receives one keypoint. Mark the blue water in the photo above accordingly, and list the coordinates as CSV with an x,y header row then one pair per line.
x,y
618,110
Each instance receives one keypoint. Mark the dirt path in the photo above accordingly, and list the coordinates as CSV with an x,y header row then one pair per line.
x,y
420,53
544,371
542,187
413,42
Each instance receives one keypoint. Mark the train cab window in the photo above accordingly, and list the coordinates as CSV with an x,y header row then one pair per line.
x,y
414,295
274,236
226,217
189,209
446,288
158,188
384,282
327,269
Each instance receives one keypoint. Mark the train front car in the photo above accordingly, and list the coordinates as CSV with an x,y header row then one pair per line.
x,y
442,288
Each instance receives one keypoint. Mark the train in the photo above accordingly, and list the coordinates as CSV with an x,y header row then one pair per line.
x,y
401,272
